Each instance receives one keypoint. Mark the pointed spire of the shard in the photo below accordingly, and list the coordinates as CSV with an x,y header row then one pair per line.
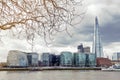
x,y
97,47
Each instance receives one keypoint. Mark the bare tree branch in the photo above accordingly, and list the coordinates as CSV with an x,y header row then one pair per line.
x,y
41,17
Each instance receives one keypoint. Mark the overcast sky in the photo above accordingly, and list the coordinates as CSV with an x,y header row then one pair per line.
x,y
108,14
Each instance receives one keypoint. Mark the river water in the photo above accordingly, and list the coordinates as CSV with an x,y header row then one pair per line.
x,y
59,75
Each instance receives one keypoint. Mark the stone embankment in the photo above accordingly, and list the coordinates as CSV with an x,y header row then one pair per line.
x,y
49,68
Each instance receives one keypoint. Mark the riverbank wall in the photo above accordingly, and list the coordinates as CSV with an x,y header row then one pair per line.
x,y
49,68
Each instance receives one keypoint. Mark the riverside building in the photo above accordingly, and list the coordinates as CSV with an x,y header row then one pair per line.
x,y
45,58
17,58
32,59
90,60
79,59
66,59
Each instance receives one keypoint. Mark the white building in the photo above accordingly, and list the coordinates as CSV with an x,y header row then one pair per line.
x,y
17,59
21,59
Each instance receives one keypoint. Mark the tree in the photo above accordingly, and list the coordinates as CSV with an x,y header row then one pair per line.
x,y
38,17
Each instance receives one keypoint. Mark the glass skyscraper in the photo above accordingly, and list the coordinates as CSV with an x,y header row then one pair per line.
x,y
97,47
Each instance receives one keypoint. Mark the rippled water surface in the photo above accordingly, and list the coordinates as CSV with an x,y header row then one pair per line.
x,y
59,75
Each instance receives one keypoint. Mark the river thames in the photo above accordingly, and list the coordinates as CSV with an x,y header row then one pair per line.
x,y
59,75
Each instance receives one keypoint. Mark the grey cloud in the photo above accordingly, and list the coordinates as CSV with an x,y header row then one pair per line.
x,y
109,17
79,35
111,30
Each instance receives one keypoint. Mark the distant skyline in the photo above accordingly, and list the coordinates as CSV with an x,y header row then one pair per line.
x,y
108,14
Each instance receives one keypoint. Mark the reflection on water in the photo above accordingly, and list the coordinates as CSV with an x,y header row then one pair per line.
x,y
59,75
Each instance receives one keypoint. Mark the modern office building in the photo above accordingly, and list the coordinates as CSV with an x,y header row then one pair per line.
x,y
79,59
32,59
116,56
57,60
17,59
45,59
80,48
86,49
54,60
48,59
66,59
97,46
90,60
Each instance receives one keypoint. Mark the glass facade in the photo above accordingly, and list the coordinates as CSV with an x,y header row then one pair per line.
x,y
54,60
66,59
45,58
91,60
32,59
97,44
79,59
29,57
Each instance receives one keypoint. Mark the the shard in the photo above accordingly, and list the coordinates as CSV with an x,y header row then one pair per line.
x,y
97,46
